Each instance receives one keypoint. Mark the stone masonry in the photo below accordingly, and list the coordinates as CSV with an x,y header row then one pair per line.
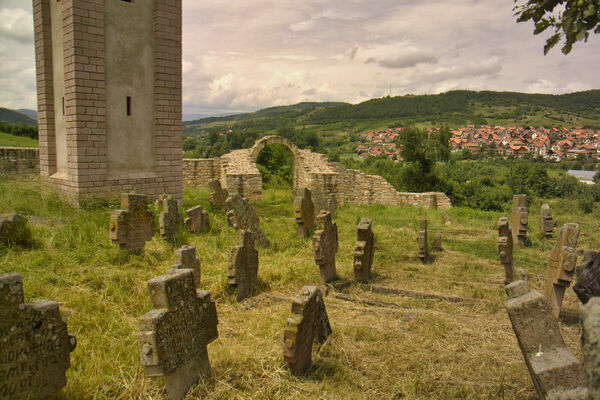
x,y
19,160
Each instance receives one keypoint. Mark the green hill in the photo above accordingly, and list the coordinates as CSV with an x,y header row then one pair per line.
x,y
16,141
15,117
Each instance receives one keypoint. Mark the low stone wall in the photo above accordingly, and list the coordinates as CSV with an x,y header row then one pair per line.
x,y
200,171
21,160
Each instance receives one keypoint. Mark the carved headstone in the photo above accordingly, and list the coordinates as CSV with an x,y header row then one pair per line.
x,y
132,226
173,336
185,258
35,346
590,314
325,245
332,206
555,372
505,248
14,230
304,211
307,324
363,252
197,220
241,216
546,223
324,202
561,266
218,195
422,241
519,219
243,266
436,245
588,277
169,220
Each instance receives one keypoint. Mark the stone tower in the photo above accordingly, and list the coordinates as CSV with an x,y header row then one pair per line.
x,y
109,96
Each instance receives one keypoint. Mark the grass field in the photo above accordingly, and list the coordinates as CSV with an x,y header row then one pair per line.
x,y
16,141
406,348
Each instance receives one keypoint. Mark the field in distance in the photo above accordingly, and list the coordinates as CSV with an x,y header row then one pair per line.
x,y
16,141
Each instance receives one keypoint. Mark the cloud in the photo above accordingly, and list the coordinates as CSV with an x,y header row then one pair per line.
x,y
406,60
16,24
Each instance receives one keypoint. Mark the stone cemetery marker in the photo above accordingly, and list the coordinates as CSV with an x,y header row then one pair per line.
x,y
132,226
588,277
590,314
14,230
546,223
197,220
332,206
173,336
437,242
363,252
561,266
505,248
241,216
170,221
35,346
185,258
304,211
325,245
519,219
243,265
422,241
218,195
308,323
555,372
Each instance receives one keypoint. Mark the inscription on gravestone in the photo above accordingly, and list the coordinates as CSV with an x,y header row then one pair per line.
x,y
325,246
546,223
170,221
185,258
363,252
422,241
243,265
505,248
519,219
241,215
132,226
218,195
304,211
197,220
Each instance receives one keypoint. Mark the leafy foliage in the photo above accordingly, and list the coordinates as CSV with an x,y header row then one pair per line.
x,y
23,130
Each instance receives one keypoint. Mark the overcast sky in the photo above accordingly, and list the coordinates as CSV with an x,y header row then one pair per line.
x,y
243,55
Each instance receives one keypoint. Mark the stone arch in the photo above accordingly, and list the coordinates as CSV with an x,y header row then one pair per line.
x,y
267,140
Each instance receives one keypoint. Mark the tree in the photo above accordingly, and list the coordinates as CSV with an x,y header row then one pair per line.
x,y
572,20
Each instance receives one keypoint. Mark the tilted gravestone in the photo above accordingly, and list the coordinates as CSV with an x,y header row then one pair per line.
x,y
169,220
546,222
505,248
173,336
519,219
555,372
561,266
14,230
588,277
422,241
307,324
35,345
325,245
243,266
218,195
242,216
436,245
590,314
364,250
304,211
185,258
197,220
132,226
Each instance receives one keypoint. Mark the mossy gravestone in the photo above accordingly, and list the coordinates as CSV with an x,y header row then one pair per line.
x,y
304,211
197,220
505,249
218,195
170,221
242,216
243,265
546,222
35,346
132,226
185,258
14,230
363,252
422,241
325,246
590,314
588,277
519,219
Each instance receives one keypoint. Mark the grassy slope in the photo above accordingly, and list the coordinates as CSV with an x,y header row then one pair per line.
x,y
16,141
427,349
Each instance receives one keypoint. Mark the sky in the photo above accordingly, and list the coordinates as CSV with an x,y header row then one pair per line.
x,y
243,55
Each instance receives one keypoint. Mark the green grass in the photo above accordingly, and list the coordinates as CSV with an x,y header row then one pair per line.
x,y
16,141
428,349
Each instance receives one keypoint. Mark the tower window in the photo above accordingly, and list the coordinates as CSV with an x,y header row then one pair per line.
x,y
128,105
63,105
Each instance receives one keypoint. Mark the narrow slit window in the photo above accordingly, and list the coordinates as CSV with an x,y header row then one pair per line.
x,y
63,105
128,105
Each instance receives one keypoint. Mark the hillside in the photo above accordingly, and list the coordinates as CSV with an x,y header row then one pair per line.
x,y
16,141
15,117
30,113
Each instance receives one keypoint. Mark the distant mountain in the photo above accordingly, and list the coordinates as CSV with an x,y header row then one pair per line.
x,y
194,117
30,113
15,117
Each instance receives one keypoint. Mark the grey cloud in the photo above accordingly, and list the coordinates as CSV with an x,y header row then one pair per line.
x,y
406,60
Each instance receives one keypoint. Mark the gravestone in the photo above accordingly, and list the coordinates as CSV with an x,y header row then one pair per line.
x,y
304,211
169,220
325,245
590,314
185,258
519,219
173,336
555,372
14,230
35,345
241,216
324,202
436,245
132,226
218,195
332,206
197,220
546,223
505,248
243,266
422,241
307,324
561,266
363,252
588,277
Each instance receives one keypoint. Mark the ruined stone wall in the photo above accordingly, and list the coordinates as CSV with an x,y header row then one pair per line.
x,y
19,160
200,171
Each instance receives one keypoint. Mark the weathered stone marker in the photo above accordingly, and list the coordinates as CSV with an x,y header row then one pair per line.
x,y
185,258
35,346
132,226
325,245
590,314
308,323
546,222
243,265
519,219
242,216
436,245
555,372
174,335
561,266
588,277
422,241
364,250
170,221
14,230
197,220
304,211
505,248
218,195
